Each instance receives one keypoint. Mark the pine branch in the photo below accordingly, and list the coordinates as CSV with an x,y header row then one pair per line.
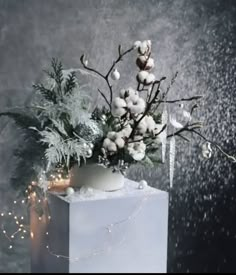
x,y
46,93
57,70
70,83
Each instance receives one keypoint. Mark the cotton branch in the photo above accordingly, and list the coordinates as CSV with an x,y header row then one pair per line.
x,y
106,76
149,106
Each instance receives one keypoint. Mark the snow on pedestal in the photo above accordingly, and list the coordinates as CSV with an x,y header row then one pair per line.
x,y
121,231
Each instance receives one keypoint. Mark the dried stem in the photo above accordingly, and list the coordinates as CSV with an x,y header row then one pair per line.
x,y
180,100
106,76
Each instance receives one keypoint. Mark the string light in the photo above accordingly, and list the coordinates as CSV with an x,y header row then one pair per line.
x,y
96,252
109,228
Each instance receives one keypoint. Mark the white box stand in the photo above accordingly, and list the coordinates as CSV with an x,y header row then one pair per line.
x,y
110,232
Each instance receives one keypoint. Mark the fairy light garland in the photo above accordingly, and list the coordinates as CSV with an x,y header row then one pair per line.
x,y
22,229
109,228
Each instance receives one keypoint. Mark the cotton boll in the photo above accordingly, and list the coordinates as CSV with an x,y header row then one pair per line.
x,y
150,79
150,64
142,76
145,63
106,143
118,112
142,104
120,142
141,62
127,131
137,44
145,47
151,124
111,135
112,147
142,127
119,103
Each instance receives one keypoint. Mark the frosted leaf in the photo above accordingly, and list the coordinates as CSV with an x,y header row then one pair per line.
x,y
60,126
172,159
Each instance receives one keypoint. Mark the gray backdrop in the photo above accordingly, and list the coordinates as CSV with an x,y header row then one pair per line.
x,y
196,38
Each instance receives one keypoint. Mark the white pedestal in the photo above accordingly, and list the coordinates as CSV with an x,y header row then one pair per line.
x,y
121,231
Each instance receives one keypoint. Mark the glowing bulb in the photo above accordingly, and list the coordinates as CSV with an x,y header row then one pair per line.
x,y
32,235
39,201
2,214
21,225
4,232
58,256
40,218
14,202
23,201
22,218
9,213
47,247
46,233
24,231
12,236
19,229
17,222
10,246
49,217
22,237
15,217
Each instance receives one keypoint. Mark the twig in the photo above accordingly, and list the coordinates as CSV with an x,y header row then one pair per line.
x,y
102,94
106,77
180,100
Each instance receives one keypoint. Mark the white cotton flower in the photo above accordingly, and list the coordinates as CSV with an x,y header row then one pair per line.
x,y
142,127
145,47
137,44
150,64
144,62
132,98
120,142
127,131
160,137
118,112
111,135
142,75
151,124
150,79
137,107
106,143
119,102
112,147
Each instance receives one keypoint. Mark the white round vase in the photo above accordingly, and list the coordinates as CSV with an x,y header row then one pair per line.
x,y
96,176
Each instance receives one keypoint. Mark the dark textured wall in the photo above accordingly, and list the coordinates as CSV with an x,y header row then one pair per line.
x,y
196,38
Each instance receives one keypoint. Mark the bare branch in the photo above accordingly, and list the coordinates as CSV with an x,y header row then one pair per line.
x,y
181,99
102,94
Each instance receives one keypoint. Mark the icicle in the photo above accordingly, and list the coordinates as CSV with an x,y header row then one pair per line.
x,y
172,160
164,120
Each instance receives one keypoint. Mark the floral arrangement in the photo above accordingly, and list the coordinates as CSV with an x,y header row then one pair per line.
x,y
133,126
